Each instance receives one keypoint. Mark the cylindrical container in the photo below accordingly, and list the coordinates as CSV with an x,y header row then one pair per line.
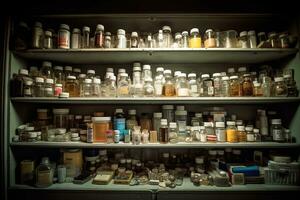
x,y
277,131
250,134
220,131
195,38
63,37
76,39
48,42
100,126
72,160
231,132
61,173
156,121
42,114
60,117
242,135
230,39
181,120
121,43
37,36
57,89
210,40
86,37
168,113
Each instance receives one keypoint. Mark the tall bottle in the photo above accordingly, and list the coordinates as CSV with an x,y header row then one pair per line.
x,y
46,70
168,88
163,132
44,173
123,86
119,122
193,85
263,122
86,37
137,88
99,36
59,76
131,120
167,37
81,80
96,87
183,87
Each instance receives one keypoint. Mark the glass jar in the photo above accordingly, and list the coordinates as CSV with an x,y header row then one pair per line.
x,y
59,76
60,117
48,41
234,86
203,134
277,131
39,88
250,134
242,135
291,85
44,174
121,39
209,39
100,127
49,92
257,135
173,135
46,70
266,86
86,37
178,41
158,86
169,87
63,37
220,132
252,39
156,121
195,38
28,88
145,121
181,120
163,132
230,39
207,86
76,38
247,86
280,88
37,36
273,37
167,36
262,38
168,113
284,40
193,85
148,87
137,86
244,39
183,87
21,36
210,131
107,40
96,87
217,84
131,120
185,39
72,86
257,89
225,86
87,88
134,40
99,36
231,132
219,39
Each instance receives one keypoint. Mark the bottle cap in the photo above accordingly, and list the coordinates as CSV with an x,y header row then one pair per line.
x,y
48,33
61,111
177,73
82,76
172,125
249,128
231,70
205,76
166,155
199,160
225,78
77,70
134,34
71,77
136,69
64,26
164,122
86,29
242,69
220,124
207,124
182,75
180,108
101,119
212,152
216,74
146,67
191,75
199,115
121,70
261,33
181,112
39,80
167,107
96,81
278,79
76,30
46,64
255,130
91,71
247,75
252,32
194,30
233,77
241,128
178,36
276,121
184,33
167,71
121,32
28,82
58,68
119,110
157,115
159,69
230,123
100,27
87,80
49,80
243,33
68,68
208,30
166,28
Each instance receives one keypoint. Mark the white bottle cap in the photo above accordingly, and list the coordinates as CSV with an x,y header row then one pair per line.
x,y
64,95
46,64
76,30
157,115
91,71
147,67
216,74
166,28
220,124
119,110
243,33
177,73
64,26
134,34
194,30
180,107
167,71
191,75
121,32
159,69
233,77
96,81
39,80
185,33
71,77
58,68
49,81
100,27
121,70
77,70
205,76
278,79
132,112
23,72
252,32
172,125
88,80
68,68
86,29
225,78
164,122
230,123
82,76
231,70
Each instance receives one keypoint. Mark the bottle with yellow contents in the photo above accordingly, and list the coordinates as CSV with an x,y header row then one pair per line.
x,y
231,132
195,38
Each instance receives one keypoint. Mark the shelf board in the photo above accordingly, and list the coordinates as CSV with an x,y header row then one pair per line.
x,y
158,55
158,100
186,186
45,144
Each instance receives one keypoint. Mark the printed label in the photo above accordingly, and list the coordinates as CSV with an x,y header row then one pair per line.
x,y
183,92
194,88
277,135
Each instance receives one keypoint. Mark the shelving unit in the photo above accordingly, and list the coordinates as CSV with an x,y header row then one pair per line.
x,y
158,55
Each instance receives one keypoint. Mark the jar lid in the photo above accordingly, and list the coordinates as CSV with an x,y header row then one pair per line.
x,y
178,36
220,124
64,95
96,81
101,119
278,79
49,81
207,124
256,84
164,122
121,32
61,111
119,110
29,128
216,74
76,30
255,130
42,110
249,128
233,77
71,77
113,78
276,121
46,64
132,112
100,27
82,76
185,33
68,68
208,30
205,76
58,68
194,30
182,75
91,71
147,67
60,131
172,125
136,64
28,82
64,26
202,127
287,76
48,33
241,128
272,34
167,71
121,70
247,75
199,115
199,160
136,69
38,24
231,70
212,152
243,33
87,80
39,80
225,78
124,74
23,71
251,32
86,29
242,69
230,123
181,112
159,69
191,75
134,34
33,134
107,34
167,107
157,115
77,70
166,28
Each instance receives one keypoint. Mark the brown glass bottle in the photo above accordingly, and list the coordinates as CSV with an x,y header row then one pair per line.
x,y
247,86
163,132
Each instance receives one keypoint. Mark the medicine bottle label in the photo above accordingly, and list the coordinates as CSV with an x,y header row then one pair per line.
x,y
278,135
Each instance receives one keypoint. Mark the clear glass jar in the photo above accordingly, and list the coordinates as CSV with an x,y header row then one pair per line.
x,y
158,86
173,135
195,38
284,40
137,90
121,39
46,70
207,89
181,120
72,86
185,39
280,88
48,41
111,87
219,39
90,74
49,89
134,40
209,39
156,121
178,41
277,131
242,135
250,134
131,120
244,39
234,87
86,37
160,39
252,39
257,89
193,86
39,88
266,86
168,113
99,36
96,87
291,85
44,174
273,37
147,73
107,40
247,86
225,87
217,84
60,117
169,87
76,38
28,88
183,87
148,88
231,132
63,41
203,134
262,38
230,39
37,36
220,131
163,132
100,127
123,86
81,81
257,135
59,76
167,36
